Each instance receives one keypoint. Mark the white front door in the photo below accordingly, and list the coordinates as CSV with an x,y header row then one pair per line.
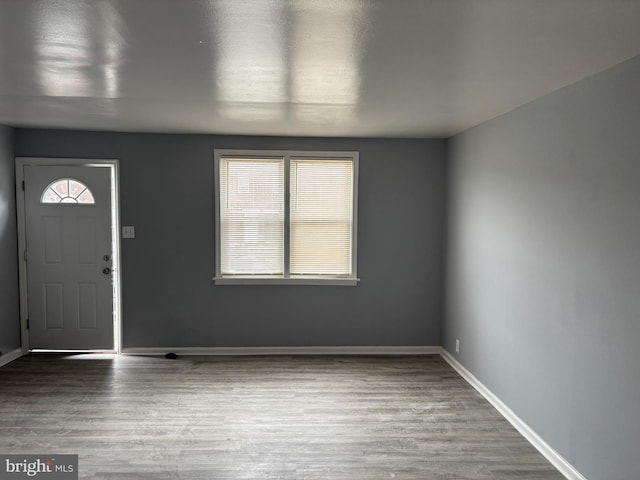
x,y
69,257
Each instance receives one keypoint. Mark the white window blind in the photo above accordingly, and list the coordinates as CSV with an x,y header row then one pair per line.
x,y
321,216
252,216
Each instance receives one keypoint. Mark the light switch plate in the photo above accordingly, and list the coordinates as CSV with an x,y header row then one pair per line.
x,y
128,232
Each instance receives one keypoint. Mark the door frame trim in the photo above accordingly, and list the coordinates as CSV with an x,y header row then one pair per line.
x,y
114,164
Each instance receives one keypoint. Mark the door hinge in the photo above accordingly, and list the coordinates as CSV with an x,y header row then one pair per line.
x,y
24,255
27,324
23,185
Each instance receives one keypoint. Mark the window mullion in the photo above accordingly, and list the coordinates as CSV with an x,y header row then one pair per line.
x,y
287,215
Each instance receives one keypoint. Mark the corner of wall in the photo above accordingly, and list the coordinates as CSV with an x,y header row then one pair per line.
x,y
9,291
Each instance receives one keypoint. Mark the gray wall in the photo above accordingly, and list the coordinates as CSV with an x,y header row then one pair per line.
x,y
9,293
543,275
168,296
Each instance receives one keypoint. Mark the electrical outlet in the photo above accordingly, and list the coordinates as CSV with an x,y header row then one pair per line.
x,y
457,345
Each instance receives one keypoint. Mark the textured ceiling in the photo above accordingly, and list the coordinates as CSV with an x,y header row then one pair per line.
x,y
298,67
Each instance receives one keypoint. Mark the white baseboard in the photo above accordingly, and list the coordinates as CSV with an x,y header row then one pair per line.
x,y
527,432
380,350
10,357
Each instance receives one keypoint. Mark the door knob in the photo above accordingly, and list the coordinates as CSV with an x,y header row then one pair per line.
x,y
106,270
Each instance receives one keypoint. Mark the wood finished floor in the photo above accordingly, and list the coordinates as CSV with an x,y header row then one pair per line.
x,y
260,418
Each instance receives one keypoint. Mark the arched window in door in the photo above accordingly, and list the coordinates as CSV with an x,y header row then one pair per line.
x,y
67,190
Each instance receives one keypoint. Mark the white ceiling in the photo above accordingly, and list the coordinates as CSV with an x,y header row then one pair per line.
x,y
423,68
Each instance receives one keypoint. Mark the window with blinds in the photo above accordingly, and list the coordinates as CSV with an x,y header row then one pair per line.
x,y
251,216
321,212
286,217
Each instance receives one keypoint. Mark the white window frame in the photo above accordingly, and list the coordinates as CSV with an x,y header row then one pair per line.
x,y
286,279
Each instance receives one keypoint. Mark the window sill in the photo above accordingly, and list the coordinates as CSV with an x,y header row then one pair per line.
x,y
255,280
